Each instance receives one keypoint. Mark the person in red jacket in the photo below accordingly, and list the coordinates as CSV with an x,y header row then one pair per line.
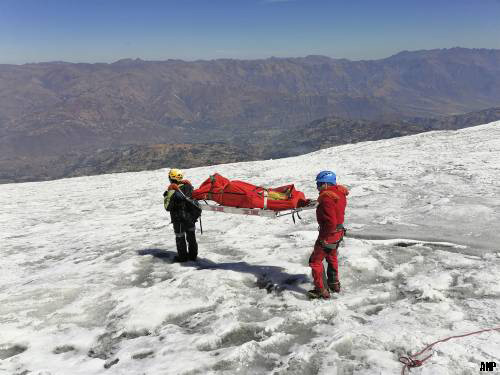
x,y
330,212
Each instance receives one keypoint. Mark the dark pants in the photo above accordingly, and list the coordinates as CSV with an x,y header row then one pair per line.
x,y
183,232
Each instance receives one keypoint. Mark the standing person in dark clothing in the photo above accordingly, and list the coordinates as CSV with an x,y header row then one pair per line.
x,y
182,214
330,212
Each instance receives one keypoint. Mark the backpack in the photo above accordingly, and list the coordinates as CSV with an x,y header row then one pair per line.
x,y
193,208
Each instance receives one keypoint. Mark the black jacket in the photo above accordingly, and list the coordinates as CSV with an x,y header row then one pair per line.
x,y
180,209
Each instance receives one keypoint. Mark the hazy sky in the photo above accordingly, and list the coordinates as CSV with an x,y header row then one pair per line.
x,y
109,30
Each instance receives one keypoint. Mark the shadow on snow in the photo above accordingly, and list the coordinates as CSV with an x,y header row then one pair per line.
x,y
271,278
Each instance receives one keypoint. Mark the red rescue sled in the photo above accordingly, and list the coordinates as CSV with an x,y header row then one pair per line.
x,y
244,198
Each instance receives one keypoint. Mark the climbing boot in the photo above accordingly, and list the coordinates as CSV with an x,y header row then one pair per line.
x,y
334,287
319,293
178,259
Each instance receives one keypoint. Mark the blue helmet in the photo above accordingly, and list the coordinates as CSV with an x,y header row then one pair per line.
x,y
326,177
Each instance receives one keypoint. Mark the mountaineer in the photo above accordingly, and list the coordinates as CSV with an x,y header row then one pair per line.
x,y
184,212
330,212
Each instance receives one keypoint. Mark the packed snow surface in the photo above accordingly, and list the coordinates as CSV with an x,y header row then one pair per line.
x,y
88,285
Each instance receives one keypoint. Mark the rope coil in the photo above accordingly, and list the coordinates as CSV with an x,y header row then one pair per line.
x,y
410,362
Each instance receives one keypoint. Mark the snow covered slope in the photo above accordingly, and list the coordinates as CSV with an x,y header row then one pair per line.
x,y
87,284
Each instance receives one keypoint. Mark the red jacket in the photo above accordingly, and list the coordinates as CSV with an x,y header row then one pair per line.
x,y
330,211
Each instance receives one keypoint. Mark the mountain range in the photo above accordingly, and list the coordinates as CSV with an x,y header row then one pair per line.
x,y
51,110
322,133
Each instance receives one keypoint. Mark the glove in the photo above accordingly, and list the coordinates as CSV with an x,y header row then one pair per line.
x,y
173,187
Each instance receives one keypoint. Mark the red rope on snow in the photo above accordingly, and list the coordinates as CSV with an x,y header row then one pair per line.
x,y
410,361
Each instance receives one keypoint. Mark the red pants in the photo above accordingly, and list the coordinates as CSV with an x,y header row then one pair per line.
x,y
316,264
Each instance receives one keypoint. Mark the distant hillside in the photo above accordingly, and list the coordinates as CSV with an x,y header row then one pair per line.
x,y
50,109
334,131
128,158
318,134
459,121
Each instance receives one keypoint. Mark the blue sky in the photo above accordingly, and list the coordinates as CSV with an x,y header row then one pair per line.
x,y
109,30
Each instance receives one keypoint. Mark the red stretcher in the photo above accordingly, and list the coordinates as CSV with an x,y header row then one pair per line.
x,y
239,197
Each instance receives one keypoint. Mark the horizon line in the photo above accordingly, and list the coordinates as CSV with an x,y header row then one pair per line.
x,y
139,59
